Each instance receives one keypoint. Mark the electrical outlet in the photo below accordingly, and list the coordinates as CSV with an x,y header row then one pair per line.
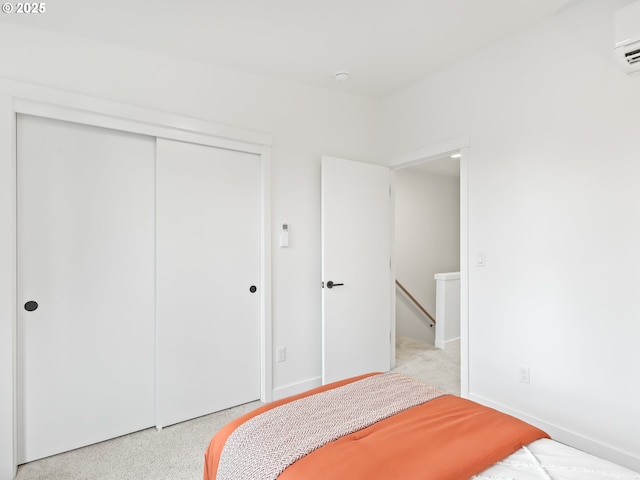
x,y
282,354
524,375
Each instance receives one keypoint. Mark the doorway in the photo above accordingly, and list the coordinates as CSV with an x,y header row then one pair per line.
x,y
427,240
430,237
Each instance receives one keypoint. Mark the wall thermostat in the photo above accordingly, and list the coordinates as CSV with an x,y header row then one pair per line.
x,y
284,235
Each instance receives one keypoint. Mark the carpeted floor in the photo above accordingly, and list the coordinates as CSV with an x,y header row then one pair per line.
x,y
176,452
430,364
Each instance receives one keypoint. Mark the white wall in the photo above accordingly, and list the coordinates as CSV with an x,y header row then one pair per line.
x,y
304,122
553,201
427,241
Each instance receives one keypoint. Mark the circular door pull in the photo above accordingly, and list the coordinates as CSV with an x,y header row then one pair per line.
x,y
30,306
252,289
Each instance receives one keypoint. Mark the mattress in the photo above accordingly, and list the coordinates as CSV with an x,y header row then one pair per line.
x,y
546,459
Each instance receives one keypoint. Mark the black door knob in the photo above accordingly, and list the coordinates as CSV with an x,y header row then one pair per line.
x,y
252,289
331,284
30,306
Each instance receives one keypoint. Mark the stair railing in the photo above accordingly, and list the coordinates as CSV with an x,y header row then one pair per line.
x,y
416,303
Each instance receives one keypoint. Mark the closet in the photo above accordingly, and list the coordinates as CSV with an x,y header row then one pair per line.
x,y
138,271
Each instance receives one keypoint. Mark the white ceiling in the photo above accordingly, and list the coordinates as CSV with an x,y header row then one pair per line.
x,y
384,44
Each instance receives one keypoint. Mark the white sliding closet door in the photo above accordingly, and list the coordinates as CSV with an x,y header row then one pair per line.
x,y
208,260
86,256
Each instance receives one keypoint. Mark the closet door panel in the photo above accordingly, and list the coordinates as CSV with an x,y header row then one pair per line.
x,y
86,256
208,258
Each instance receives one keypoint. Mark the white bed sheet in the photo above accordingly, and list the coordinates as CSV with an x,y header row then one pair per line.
x,y
547,459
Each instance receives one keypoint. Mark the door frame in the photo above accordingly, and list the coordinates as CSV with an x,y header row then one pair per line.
x,y
18,97
416,157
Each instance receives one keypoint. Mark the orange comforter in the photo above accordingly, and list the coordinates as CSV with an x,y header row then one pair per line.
x,y
447,438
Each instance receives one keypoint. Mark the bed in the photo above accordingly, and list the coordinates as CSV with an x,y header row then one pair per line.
x,y
390,426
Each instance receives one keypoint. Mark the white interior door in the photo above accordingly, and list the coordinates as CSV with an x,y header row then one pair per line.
x,y
356,253
85,255
208,254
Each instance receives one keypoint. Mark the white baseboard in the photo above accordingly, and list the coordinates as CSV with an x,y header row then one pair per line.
x,y
295,388
443,345
568,437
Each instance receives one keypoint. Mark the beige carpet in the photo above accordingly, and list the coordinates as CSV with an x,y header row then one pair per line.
x,y
430,364
176,453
